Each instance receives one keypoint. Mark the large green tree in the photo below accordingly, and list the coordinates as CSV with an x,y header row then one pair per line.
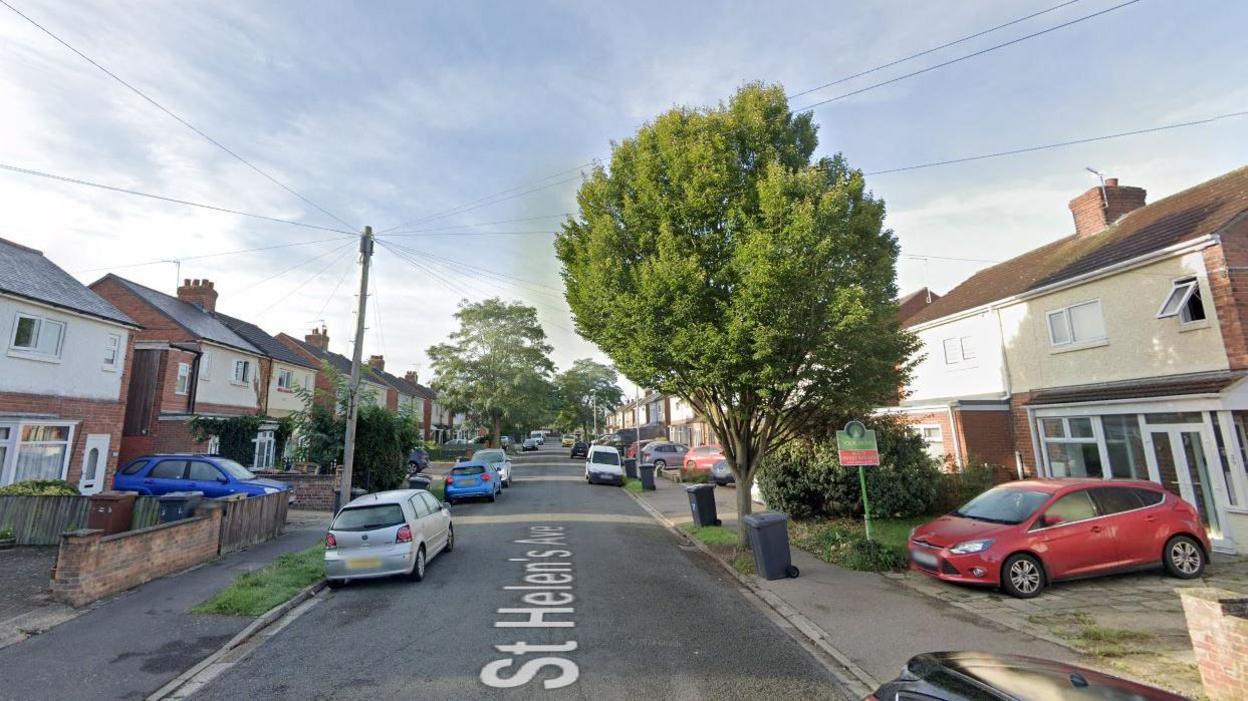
x,y
496,367
717,260
583,390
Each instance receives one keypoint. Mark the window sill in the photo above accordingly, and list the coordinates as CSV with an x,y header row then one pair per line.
x,y
37,357
109,368
238,384
1194,326
1072,347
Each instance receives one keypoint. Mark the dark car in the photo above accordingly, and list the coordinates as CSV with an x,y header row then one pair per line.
x,y
721,474
985,676
213,475
529,444
580,449
418,460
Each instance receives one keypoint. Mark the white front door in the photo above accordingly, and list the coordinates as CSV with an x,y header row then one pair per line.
x,y
94,463
1179,457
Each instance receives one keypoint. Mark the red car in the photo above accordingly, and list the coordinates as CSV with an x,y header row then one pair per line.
x,y
703,457
1024,535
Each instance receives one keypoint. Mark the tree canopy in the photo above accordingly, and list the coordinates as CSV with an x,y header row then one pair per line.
x,y
717,260
496,367
584,389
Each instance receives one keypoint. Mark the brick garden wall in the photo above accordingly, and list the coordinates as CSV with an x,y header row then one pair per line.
x,y
1217,621
90,565
313,492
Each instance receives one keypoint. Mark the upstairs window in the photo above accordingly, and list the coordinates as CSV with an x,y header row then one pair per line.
x,y
37,336
112,352
1184,301
959,350
1076,325
285,380
242,371
205,366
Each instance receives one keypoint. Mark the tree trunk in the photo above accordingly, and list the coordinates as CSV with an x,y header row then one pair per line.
x,y
497,440
744,506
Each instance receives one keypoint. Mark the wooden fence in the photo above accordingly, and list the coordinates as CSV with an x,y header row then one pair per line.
x,y
42,520
245,522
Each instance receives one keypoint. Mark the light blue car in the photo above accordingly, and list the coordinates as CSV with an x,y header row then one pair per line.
x,y
472,479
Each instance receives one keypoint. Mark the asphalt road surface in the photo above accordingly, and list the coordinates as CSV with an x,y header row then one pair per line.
x,y
625,612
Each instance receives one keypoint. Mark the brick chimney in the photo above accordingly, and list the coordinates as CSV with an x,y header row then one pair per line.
x,y
1095,210
200,293
319,338
377,362
411,376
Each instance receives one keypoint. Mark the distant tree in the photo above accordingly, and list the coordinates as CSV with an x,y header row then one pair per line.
x,y
584,388
715,260
496,367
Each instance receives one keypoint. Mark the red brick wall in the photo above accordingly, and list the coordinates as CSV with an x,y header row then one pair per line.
x,y
314,492
988,436
939,418
93,415
1227,266
1023,439
170,401
156,326
1217,621
428,417
90,566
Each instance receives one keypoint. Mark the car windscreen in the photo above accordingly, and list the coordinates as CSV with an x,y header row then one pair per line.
x,y
368,518
602,457
491,456
469,470
1003,505
236,471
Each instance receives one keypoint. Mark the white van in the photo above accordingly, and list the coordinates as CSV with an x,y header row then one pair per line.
x,y
539,436
603,465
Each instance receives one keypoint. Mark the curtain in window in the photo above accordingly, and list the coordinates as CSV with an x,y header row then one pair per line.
x,y
39,462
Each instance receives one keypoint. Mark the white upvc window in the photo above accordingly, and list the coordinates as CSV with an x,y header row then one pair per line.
x,y
112,352
1184,301
1071,446
934,437
36,337
242,371
205,366
1078,324
184,379
285,380
42,452
959,351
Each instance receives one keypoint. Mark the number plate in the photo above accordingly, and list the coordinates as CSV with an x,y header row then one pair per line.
x,y
363,563
923,558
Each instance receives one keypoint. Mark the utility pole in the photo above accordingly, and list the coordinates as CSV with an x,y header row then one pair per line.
x,y
595,401
353,404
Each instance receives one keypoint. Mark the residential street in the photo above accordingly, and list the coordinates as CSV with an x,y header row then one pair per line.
x,y
652,620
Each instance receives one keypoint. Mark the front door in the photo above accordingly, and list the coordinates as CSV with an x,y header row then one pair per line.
x,y
1181,457
94,463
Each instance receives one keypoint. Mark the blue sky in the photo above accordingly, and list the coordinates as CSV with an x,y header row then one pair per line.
x,y
386,113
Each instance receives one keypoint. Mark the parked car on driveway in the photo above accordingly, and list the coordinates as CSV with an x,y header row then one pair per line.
x,y
529,444
387,533
603,465
703,457
497,459
213,475
721,474
987,676
1022,536
580,449
472,479
664,453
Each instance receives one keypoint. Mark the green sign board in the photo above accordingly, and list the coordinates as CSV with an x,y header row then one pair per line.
x,y
856,445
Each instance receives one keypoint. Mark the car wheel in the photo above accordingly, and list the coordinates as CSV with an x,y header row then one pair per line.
x,y
493,497
660,465
336,583
1022,576
418,567
450,539
1184,557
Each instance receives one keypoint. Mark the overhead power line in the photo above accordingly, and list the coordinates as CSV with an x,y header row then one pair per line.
x,y
485,223
163,198
174,115
934,49
344,251
965,57
1059,144
183,259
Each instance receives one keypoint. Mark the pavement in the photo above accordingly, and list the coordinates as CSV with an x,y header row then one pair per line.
x,y
129,646
649,616
26,607
874,621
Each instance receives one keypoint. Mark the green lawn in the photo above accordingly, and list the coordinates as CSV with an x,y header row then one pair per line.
x,y
711,535
632,485
843,542
253,593
438,489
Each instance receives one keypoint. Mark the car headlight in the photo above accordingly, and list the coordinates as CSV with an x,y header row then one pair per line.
x,y
971,546
912,530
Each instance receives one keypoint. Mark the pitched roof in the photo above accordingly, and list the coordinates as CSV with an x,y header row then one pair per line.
x,y
911,304
205,326
1190,214
25,272
341,363
399,383
268,345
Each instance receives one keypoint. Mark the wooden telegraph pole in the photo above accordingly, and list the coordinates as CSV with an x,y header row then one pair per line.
x,y
353,402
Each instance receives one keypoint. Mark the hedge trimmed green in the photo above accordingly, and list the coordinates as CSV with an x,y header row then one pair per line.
x,y
40,488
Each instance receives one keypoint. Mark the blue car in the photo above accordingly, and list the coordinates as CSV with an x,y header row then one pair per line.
x,y
213,475
472,479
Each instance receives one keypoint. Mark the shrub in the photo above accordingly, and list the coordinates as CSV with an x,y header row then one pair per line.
x,y
6,534
874,556
694,476
40,488
957,488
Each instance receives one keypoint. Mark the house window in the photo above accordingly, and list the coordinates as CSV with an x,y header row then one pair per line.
x,y
205,367
42,452
935,440
184,379
266,446
285,380
959,350
242,371
214,445
307,380
37,336
1184,301
112,352
1070,447
1077,324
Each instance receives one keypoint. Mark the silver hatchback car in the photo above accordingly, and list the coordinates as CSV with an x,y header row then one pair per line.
x,y
387,533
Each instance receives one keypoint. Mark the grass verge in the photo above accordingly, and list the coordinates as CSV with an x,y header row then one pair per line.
x,y
723,543
844,542
632,485
1082,630
253,593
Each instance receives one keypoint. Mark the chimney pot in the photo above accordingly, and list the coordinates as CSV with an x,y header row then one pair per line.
x,y
377,362
318,338
198,292
1099,208
1111,182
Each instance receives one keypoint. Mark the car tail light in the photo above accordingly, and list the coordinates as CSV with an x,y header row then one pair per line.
x,y
330,541
450,479
485,477
404,535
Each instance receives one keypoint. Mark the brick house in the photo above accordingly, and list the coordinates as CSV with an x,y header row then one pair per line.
x,y
314,349
63,374
1116,351
188,362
